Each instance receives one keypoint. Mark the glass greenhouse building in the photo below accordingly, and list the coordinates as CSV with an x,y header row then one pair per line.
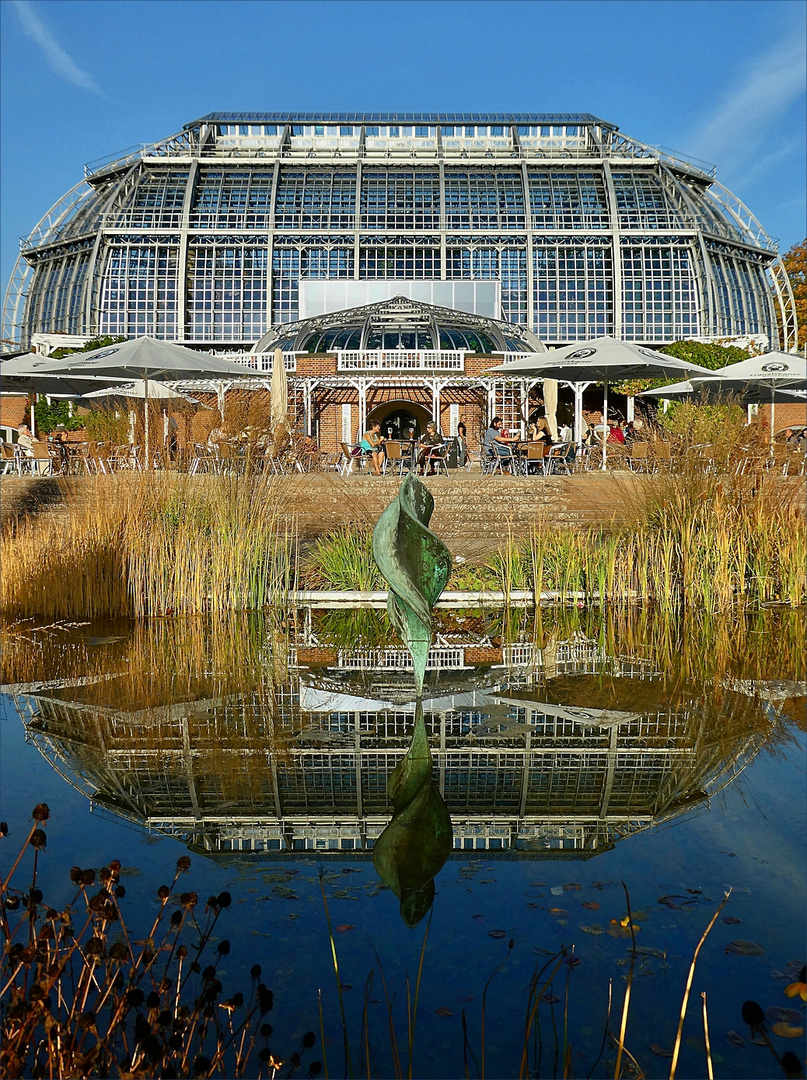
x,y
210,237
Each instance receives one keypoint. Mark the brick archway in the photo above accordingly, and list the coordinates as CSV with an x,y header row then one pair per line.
x,y
398,416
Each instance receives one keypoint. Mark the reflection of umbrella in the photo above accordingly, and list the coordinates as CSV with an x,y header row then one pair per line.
x,y
602,359
758,380
597,718
551,407
280,390
142,358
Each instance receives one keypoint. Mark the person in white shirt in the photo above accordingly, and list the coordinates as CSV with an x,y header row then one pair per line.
x,y
25,440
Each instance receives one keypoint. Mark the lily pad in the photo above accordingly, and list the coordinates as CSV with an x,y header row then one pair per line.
x,y
785,1016
591,905
594,928
745,948
659,1051
731,920
444,1010
497,933
671,901
787,1031
559,912
735,1038
284,892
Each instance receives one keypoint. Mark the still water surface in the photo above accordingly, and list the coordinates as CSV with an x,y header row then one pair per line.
x,y
579,756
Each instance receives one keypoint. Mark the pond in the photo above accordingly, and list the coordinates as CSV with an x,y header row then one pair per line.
x,y
610,779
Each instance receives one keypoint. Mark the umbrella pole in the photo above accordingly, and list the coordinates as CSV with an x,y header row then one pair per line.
x,y
773,416
146,422
578,414
604,423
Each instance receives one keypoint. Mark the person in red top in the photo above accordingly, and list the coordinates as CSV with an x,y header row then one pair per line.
x,y
615,434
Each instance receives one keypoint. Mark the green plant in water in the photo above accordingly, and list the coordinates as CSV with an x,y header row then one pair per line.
x,y
343,560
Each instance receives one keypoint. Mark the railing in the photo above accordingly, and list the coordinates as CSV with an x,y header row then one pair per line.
x,y
400,360
260,362
400,659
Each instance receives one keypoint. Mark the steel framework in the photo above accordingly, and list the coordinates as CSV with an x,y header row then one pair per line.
x,y
310,772
205,236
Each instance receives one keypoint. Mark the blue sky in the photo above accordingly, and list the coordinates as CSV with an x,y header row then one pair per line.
x,y
719,81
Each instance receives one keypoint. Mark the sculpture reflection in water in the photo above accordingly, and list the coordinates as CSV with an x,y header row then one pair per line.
x,y
415,563
577,732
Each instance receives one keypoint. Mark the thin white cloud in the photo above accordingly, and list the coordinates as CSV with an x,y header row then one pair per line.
x,y
58,59
732,134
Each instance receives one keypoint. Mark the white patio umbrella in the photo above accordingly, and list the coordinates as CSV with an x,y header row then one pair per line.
x,y
766,379
142,358
602,359
139,389
23,373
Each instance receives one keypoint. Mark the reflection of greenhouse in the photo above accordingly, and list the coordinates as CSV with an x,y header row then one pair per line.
x,y
304,767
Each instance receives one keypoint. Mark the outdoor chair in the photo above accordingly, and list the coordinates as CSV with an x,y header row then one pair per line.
x,y
662,456
350,454
8,459
533,460
492,463
638,458
395,456
560,459
40,461
436,457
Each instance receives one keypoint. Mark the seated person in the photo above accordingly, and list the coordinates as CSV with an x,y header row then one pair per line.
x,y
372,446
497,443
426,446
615,434
540,431
25,440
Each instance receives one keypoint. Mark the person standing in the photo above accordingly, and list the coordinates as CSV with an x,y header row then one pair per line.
x,y
462,445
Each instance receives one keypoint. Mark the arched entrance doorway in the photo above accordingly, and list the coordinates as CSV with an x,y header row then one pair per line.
x,y
398,418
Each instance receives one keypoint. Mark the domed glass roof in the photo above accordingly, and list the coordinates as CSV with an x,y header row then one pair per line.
x,y
400,323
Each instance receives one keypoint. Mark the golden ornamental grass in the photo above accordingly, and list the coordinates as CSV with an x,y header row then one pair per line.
x,y
706,536
151,544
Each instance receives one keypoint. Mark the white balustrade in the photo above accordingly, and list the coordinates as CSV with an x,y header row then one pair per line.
x,y
400,360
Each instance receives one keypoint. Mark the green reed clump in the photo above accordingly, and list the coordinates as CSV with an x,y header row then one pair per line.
x,y
81,997
343,560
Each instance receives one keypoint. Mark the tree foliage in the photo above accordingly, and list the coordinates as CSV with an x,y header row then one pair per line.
x,y
57,413
707,355
795,262
96,343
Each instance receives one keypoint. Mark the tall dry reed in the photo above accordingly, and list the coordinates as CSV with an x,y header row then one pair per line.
x,y
152,544
706,537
